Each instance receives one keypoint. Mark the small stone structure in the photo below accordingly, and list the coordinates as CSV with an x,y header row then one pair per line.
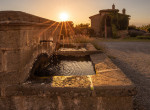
x,y
23,37
108,20
20,36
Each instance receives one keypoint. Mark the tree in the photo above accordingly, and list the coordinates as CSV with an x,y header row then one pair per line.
x,y
84,29
132,27
148,29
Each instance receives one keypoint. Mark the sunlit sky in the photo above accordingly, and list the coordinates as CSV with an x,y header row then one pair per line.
x,y
79,11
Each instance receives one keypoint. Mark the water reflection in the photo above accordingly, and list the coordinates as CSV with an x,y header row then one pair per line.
x,y
67,66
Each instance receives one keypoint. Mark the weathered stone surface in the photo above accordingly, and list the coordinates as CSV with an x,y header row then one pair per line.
x,y
105,90
1,61
66,103
21,16
9,77
115,103
54,103
109,79
112,84
6,104
13,60
71,81
9,39
89,49
21,48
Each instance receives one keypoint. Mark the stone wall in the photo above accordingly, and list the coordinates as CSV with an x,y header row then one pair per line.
x,y
20,45
65,103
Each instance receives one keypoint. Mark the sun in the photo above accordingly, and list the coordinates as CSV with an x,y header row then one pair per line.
x,y
63,16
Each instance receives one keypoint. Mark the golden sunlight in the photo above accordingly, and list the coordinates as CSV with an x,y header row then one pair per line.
x,y
63,17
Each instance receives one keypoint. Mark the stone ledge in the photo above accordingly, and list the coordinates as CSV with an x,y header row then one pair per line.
x,y
90,49
77,53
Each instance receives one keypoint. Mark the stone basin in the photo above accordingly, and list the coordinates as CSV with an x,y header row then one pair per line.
x,y
108,89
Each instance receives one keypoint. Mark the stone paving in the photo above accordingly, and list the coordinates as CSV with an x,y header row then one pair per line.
x,y
134,60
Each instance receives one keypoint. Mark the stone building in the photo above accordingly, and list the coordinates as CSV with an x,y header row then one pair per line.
x,y
107,21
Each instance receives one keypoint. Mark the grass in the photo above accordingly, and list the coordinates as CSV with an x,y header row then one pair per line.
x,y
143,37
82,39
127,39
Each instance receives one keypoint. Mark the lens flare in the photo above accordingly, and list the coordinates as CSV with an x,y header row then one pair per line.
x,y
64,17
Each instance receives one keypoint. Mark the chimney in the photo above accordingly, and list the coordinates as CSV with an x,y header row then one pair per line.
x,y
124,11
113,7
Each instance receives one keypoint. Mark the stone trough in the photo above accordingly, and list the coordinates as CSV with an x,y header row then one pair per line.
x,y
108,89
23,37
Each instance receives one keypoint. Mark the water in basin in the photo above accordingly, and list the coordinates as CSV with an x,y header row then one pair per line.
x,y
68,66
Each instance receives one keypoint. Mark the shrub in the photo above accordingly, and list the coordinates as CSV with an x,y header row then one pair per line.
x,y
145,28
114,31
84,29
131,27
91,32
143,37
134,33
84,39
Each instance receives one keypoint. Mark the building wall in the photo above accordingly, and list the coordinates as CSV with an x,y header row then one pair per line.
x,y
98,23
95,24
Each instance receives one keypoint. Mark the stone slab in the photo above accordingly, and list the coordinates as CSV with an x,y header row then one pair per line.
x,y
109,79
90,47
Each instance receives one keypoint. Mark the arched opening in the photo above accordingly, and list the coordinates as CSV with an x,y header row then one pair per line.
x,y
39,67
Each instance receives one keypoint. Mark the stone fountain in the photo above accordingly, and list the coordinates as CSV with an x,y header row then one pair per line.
x,y
23,88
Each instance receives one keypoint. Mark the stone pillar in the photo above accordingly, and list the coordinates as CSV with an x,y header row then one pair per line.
x,y
124,11
113,7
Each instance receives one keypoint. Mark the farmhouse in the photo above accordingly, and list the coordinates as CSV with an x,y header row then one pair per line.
x,y
108,21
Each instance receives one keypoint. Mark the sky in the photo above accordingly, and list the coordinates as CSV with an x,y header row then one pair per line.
x,y
79,11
